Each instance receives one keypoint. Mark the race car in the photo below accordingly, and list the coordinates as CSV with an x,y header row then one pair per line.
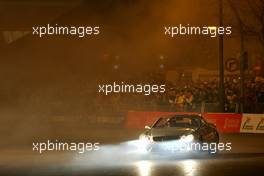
x,y
180,133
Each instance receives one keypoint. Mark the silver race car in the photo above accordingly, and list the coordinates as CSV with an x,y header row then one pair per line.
x,y
179,133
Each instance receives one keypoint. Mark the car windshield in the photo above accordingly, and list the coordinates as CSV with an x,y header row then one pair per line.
x,y
178,121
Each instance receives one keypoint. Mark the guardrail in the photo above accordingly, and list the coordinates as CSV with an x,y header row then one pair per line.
x,y
225,122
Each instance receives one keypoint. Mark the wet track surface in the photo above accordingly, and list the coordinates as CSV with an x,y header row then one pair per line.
x,y
246,158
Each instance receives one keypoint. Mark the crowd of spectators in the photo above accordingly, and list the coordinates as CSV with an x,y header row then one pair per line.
x,y
192,96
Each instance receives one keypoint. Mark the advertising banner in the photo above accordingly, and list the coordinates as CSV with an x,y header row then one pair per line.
x,y
252,123
139,119
224,122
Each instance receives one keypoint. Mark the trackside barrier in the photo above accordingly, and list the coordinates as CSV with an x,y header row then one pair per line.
x,y
225,122
139,119
252,123
109,120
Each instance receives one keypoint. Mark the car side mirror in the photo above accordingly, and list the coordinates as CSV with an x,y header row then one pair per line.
x,y
147,127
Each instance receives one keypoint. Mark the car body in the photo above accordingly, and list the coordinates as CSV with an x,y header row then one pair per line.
x,y
179,133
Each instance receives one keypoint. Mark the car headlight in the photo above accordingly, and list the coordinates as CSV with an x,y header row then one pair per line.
x,y
188,138
145,138
143,142
142,137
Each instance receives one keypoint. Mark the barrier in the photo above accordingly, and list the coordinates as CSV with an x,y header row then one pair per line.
x,y
110,120
252,123
139,119
225,123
